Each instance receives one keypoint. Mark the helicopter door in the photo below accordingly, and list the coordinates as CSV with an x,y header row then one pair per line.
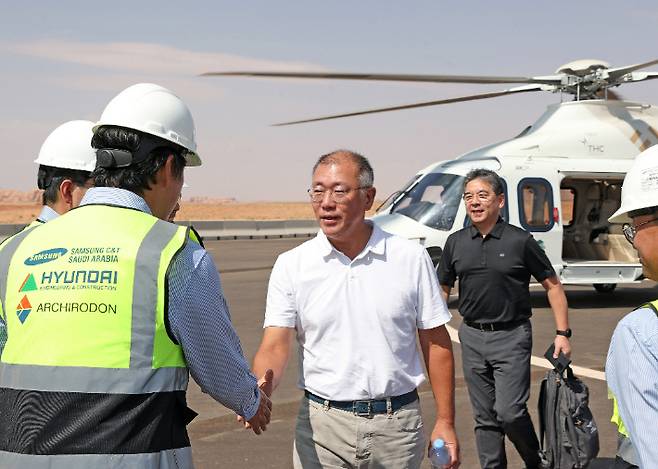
x,y
594,250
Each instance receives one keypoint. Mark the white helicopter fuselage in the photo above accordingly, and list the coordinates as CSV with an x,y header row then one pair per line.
x,y
563,178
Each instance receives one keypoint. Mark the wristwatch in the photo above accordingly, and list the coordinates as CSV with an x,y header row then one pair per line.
x,y
566,333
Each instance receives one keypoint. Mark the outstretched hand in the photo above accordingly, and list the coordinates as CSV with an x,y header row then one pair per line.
x,y
259,421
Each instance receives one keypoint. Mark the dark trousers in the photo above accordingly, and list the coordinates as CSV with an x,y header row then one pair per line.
x,y
497,372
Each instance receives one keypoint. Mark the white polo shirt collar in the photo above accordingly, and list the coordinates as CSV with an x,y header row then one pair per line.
x,y
376,243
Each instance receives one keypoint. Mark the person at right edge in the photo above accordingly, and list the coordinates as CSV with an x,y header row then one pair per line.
x,y
631,368
493,261
116,307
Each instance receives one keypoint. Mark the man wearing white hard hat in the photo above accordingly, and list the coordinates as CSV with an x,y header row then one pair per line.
x,y
66,160
632,363
116,307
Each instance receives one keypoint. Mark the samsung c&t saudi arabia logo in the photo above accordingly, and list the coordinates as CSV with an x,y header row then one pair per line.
x,y
45,256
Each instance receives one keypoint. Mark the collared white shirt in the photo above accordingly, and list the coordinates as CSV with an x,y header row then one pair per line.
x,y
356,320
47,214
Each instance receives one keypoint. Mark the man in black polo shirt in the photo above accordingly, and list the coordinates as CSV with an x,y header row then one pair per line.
x,y
493,261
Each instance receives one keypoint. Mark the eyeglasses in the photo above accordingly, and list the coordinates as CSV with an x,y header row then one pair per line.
x,y
630,231
481,195
338,194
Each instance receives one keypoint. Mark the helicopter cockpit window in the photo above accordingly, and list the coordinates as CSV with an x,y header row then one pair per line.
x,y
395,195
433,201
535,204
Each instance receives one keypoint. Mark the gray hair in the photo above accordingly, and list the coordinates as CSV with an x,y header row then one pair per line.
x,y
366,174
495,181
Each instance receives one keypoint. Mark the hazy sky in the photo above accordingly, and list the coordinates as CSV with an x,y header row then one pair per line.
x,y
66,60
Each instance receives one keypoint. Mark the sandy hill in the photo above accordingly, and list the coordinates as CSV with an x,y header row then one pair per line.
x,y
8,196
23,207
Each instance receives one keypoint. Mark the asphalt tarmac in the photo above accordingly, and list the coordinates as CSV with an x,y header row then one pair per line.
x,y
244,265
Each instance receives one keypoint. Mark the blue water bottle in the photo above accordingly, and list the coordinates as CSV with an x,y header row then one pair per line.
x,y
439,456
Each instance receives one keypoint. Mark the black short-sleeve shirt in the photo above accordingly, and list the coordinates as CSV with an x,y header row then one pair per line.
x,y
493,272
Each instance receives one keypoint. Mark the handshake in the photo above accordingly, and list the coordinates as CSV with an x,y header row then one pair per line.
x,y
258,423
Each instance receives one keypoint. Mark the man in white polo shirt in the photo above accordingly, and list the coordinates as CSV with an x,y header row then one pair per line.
x,y
355,297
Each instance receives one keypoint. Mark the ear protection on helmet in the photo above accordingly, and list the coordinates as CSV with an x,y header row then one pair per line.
x,y
113,158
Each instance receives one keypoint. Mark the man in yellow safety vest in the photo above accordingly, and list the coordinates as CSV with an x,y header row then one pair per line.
x,y
108,308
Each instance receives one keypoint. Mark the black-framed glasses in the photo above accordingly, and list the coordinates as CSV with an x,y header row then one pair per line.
x,y
338,194
630,231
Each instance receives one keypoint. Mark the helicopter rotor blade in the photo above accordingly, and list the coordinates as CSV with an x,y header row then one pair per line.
x,y
616,73
481,79
520,89
642,76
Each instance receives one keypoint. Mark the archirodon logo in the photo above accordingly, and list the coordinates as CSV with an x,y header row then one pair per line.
x,y
45,256
23,309
29,284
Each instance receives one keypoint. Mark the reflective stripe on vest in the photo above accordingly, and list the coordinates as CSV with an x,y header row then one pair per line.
x,y
5,262
85,299
7,249
180,458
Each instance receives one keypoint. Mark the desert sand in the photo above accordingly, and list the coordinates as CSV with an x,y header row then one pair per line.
x,y
23,207
24,213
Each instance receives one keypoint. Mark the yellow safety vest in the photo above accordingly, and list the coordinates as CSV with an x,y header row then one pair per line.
x,y
616,418
84,299
195,236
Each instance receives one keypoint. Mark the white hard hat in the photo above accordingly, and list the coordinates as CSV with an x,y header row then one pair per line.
x,y
154,110
640,188
69,147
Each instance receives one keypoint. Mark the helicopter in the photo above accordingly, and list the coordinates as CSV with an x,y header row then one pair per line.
x,y
562,174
